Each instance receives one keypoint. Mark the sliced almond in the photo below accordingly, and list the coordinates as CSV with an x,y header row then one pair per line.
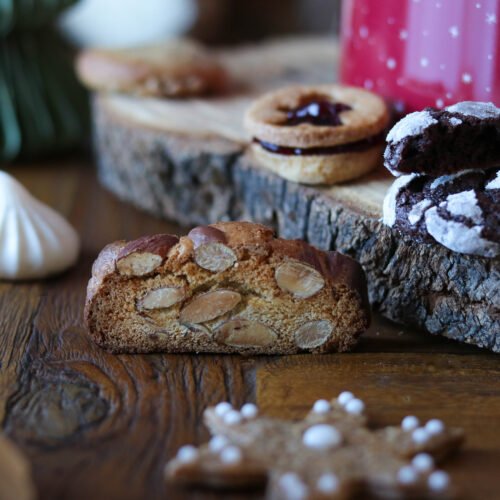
x,y
162,298
142,256
208,306
245,333
138,264
215,257
299,279
313,334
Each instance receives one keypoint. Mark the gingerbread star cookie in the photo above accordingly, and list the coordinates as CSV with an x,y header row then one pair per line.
x,y
329,454
177,68
321,134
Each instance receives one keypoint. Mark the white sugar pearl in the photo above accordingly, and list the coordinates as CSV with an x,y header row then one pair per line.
x,y
434,426
407,475
423,462
344,397
438,480
231,455
222,408
322,406
217,443
327,483
293,486
420,435
249,411
232,417
410,423
187,454
355,406
322,437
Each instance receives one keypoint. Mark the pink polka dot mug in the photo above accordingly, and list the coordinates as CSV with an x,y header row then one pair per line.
x,y
422,53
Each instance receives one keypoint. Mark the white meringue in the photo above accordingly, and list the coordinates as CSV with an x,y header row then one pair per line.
x,y
35,241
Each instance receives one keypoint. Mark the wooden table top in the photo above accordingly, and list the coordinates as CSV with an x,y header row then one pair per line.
x,y
101,426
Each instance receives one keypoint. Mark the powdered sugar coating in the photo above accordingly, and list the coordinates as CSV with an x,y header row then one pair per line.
x,y
412,124
458,237
464,203
455,121
389,206
439,181
495,183
476,109
418,210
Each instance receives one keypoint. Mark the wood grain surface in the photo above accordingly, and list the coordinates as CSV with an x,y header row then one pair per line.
x,y
95,425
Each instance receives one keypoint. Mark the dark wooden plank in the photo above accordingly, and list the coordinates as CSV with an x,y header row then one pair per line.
x,y
463,391
95,425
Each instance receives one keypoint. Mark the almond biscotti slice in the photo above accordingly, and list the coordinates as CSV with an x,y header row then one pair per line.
x,y
229,287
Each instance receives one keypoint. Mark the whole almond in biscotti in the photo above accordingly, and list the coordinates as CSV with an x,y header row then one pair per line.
x,y
143,256
228,287
245,333
208,306
330,454
210,251
299,279
313,334
162,297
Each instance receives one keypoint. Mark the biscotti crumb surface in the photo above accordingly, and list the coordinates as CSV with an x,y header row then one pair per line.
x,y
228,287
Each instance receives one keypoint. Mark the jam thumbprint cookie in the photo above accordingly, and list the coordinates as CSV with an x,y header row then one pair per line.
x,y
321,134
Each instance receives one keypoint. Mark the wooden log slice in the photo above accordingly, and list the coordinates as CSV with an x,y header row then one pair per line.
x,y
186,161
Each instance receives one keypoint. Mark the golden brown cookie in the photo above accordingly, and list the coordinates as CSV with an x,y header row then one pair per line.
x,y
332,453
178,68
320,134
231,288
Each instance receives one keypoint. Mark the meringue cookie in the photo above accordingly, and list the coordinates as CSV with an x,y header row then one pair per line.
x,y
35,241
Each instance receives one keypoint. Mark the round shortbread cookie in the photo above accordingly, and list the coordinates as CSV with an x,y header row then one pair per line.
x,y
177,68
267,118
319,169
459,211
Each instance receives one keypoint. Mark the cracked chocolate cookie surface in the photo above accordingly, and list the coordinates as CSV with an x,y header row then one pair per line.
x,y
228,287
442,142
459,211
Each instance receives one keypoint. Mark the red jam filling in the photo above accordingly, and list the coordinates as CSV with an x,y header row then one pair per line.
x,y
351,147
317,112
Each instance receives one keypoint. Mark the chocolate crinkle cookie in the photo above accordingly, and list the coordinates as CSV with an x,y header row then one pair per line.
x,y
459,211
229,287
441,142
